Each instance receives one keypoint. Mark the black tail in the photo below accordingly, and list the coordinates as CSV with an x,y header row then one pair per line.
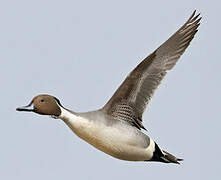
x,y
170,158
163,156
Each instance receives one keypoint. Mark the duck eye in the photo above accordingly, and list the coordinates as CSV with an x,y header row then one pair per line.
x,y
42,100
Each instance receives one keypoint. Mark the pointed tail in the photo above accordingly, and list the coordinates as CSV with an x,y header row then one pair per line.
x,y
169,158
164,156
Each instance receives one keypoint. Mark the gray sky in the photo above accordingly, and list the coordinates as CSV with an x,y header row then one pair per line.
x,y
80,52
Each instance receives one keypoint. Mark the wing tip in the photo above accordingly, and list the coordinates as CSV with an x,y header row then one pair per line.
x,y
194,18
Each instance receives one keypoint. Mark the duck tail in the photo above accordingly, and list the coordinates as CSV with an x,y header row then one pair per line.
x,y
169,158
163,156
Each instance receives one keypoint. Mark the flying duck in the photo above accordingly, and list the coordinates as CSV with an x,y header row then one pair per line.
x,y
116,129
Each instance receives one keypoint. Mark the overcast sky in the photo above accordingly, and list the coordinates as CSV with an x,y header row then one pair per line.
x,y
80,52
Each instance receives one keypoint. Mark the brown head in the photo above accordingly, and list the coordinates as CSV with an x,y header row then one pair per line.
x,y
43,104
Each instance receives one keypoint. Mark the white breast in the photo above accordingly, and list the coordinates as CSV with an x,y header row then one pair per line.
x,y
115,141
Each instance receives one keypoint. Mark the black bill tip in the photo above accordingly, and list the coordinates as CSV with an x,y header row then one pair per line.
x,y
25,108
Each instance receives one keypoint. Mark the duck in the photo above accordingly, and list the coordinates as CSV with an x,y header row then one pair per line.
x,y
117,128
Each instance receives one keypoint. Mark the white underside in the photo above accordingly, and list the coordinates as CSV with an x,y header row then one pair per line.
x,y
115,141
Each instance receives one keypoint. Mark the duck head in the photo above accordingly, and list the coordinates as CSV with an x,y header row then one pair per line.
x,y
43,104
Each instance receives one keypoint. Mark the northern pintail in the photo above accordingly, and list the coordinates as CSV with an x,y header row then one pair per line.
x,y
116,128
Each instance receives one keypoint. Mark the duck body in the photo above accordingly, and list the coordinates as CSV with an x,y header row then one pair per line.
x,y
114,137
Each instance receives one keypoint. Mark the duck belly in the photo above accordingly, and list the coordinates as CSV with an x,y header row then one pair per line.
x,y
123,143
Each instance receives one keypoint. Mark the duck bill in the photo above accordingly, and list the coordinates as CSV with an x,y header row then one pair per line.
x,y
28,108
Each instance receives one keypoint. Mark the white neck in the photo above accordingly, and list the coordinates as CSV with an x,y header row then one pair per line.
x,y
66,115
76,123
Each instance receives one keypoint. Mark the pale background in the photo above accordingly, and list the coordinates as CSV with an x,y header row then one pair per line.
x,y
80,52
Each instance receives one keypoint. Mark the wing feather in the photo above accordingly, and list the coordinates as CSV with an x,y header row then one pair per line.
x,y
131,98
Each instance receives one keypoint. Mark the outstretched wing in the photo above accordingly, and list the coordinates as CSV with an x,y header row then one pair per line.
x,y
131,98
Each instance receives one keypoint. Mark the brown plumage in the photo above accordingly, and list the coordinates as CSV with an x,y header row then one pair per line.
x,y
43,104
